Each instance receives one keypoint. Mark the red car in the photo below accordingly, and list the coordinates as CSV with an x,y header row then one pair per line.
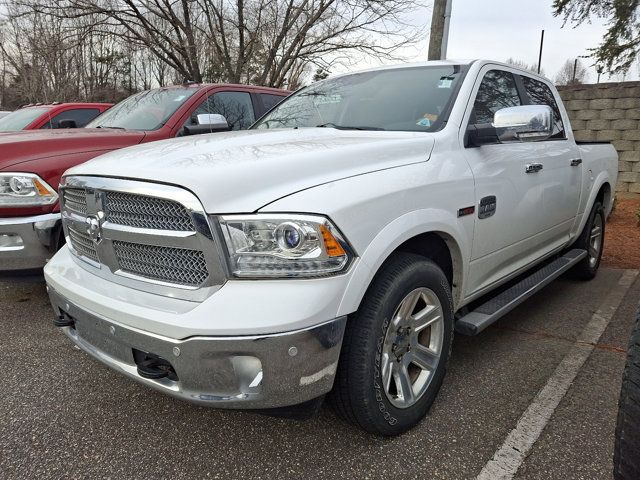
x,y
32,162
53,115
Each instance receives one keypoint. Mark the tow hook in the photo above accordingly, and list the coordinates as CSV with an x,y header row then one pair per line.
x,y
153,367
64,320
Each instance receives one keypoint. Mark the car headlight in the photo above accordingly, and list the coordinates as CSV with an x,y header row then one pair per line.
x,y
271,246
25,190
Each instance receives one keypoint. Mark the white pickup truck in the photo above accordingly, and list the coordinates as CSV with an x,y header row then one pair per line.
x,y
334,247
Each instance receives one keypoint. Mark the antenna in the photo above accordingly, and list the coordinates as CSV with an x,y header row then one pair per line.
x,y
540,55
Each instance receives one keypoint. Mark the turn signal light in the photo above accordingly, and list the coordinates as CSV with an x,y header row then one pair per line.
x,y
334,249
42,190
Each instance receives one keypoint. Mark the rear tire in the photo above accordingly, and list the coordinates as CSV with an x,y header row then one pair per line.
x,y
626,458
592,240
396,347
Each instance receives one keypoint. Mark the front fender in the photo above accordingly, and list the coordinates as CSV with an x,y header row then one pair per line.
x,y
397,232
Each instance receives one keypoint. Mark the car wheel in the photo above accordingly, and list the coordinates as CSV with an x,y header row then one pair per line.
x,y
592,240
396,347
626,459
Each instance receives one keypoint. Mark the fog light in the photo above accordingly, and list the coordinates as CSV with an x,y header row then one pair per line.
x,y
248,372
10,241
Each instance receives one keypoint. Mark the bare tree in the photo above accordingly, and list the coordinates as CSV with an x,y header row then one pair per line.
x,y
573,72
45,56
269,42
107,49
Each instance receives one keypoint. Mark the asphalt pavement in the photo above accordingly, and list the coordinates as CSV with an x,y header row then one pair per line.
x,y
63,415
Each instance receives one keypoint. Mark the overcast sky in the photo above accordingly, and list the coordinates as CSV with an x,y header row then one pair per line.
x,y
499,29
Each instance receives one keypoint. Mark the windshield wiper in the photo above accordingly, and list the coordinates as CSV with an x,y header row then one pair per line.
x,y
347,127
106,126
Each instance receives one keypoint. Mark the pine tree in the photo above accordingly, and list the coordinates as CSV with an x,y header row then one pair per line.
x,y
621,44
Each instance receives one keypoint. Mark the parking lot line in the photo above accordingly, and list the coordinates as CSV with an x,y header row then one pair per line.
x,y
508,458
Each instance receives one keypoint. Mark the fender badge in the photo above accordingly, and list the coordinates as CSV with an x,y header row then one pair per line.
x,y
466,211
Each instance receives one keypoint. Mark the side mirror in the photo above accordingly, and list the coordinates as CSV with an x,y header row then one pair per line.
x,y
527,123
67,124
207,123
524,123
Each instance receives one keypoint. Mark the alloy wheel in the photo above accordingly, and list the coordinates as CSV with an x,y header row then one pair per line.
x,y
595,240
412,347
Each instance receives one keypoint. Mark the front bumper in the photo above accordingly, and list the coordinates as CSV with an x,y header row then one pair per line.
x,y
28,242
262,371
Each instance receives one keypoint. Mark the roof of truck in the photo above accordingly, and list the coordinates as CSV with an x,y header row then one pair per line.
x,y
436,63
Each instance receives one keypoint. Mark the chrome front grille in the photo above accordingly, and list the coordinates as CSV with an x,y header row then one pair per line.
x,y
149,236
83,244
146,212
174,265
75,199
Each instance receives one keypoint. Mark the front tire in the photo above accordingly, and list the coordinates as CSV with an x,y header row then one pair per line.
x,y
626,459
592,240
396,347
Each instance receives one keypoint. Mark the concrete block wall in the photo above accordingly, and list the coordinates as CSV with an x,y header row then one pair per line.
x,y
609,112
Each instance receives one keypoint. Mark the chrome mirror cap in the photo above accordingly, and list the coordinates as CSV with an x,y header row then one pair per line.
x,y
213,120
525,122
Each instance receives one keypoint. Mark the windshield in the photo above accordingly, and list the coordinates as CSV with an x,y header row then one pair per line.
x,y
148,110
415,99
19,119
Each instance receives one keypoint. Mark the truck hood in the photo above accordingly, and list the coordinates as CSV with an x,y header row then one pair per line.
x,y
240,172
29,145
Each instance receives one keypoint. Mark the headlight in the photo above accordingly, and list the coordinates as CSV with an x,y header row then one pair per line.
x,y
25,190
269,246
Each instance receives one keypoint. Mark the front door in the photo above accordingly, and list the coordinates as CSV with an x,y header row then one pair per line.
x,y
510,213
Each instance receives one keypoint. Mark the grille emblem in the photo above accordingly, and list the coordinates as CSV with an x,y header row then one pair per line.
x,y
94,226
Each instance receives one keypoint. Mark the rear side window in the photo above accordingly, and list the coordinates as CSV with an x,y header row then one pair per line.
x,y
270,101
81,116
539,93
497,90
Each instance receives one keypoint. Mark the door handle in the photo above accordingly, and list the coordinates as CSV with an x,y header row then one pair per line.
x,y
533,167
575,162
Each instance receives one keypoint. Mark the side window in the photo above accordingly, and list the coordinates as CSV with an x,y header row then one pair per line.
x,y
270,101
540,94
236,107
497,90
81,116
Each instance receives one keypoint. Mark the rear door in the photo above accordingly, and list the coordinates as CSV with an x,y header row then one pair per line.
x,y
561,173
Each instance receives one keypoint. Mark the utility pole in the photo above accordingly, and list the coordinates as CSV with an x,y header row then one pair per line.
x,y
439,36
575,67
540,54
445,32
